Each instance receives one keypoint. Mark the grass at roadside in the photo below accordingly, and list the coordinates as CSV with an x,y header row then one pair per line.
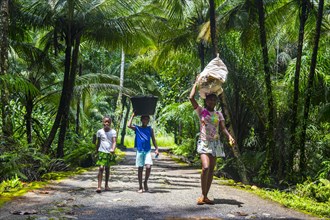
x,y
14,187
162,141
287,199
296,202
10,193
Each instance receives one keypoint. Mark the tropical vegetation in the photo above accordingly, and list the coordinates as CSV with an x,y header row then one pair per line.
x,y
64,64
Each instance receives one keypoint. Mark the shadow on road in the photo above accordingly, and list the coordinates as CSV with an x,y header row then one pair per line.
x,y
228,202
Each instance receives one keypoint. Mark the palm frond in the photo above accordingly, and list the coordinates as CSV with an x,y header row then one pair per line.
x,y
205,33
18,84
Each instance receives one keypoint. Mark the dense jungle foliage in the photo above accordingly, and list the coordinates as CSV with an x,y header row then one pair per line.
x,y
65,64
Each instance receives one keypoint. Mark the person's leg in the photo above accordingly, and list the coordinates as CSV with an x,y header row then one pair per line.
x,y
205,173
140,172
148,170
148,164
212,161
99,178
107,175
139,163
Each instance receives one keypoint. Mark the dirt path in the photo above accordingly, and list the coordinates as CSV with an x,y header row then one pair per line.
x,y
175,189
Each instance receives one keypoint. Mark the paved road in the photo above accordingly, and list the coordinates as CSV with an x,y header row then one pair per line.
x,y
174,190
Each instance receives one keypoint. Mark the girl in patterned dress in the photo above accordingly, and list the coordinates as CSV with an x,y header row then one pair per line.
x,y
209,146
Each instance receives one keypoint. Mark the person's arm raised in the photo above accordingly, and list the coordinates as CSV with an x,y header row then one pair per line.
x,y
130,122
192,96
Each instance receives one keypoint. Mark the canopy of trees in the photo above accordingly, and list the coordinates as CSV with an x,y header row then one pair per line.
x,y
64,64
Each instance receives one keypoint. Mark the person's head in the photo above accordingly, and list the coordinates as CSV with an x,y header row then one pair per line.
x,y
106,123
210,101
145,120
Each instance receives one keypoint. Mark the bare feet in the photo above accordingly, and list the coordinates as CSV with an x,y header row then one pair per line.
x,y
205,200
208,201
200,201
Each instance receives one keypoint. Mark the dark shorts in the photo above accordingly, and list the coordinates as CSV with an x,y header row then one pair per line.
x,y
106,159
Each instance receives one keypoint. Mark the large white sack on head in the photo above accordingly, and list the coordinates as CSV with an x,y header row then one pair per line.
x,y
210,80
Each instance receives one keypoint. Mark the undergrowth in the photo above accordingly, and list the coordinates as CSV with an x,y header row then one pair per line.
x,y
304,197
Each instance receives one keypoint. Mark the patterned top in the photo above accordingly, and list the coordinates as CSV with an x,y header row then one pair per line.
x,y
209,124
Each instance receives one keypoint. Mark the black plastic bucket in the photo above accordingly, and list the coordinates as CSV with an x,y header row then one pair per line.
x,y
144,105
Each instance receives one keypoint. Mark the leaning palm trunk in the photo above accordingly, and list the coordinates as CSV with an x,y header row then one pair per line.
x,y
63,100
241,167
78,107
235,149
7,126
119,106
201,54
213,28
310,87
270,125
71,60
126,103
68,93
293,145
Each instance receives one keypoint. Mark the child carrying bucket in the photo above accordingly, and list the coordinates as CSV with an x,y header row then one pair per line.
x,y
143,135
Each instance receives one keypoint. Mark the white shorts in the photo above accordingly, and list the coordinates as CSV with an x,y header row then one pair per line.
x,y
143,158
211,147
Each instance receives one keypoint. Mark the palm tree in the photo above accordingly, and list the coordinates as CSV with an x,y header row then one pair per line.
x,y
34,64
139,80
189,20
109,22
309,89
223,99
247,16
303,18
120,106
213,29
270,123
7,126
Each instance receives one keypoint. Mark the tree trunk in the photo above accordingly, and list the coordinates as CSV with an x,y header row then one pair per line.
x,y
123,132
28,118
78,106
119,107
294,124
66,81
241,167
213,29
7,125
310,88
201,52
63,100
69,94
236,152
180,133
270,146
176,135
122,70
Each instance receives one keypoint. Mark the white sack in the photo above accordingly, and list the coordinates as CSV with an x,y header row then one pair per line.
x,y
210,80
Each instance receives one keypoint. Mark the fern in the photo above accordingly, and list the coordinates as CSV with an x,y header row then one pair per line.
x,y
10,185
